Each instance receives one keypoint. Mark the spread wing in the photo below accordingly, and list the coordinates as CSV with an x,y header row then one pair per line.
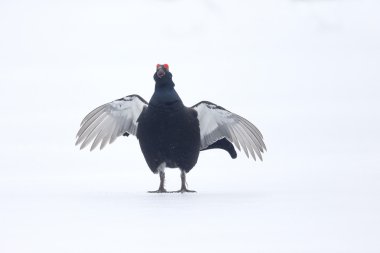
x,y
216,123
109,121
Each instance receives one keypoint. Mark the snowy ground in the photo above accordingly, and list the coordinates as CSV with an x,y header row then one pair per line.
x,y
305,72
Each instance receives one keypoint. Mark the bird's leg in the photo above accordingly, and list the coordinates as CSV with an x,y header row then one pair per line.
x,y
161,188
183,183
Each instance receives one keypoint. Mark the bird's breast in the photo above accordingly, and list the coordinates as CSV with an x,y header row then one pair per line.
x,y
167,126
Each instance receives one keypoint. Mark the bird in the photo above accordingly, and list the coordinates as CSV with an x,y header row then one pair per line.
x,y
170,134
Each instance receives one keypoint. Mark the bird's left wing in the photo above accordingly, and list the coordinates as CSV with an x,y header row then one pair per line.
x,y
216,123
109,121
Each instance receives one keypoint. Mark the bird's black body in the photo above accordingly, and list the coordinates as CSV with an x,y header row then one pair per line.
x,y
170,134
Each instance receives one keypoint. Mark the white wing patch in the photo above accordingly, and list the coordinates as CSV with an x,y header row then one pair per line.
x,y
109,121
217,123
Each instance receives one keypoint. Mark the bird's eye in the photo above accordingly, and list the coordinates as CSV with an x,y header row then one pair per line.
x,y
157,66
166,66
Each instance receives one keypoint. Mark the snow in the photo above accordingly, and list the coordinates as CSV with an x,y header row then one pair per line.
x,y
304,72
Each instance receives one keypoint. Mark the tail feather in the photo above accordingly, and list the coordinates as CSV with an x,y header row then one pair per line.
x,y
223,144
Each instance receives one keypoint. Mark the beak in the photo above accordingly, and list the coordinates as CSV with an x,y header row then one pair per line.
x,y
160,72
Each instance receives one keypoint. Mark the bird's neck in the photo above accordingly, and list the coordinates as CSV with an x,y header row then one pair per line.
x,y
165,95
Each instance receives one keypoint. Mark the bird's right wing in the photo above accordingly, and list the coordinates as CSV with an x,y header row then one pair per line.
x,y
216,123
109,121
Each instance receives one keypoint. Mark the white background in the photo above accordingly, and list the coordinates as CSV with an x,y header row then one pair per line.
x,y
305,72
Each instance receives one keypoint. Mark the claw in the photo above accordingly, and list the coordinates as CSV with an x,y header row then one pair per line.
x,y
183,190
160,190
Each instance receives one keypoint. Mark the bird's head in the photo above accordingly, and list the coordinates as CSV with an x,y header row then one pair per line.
x,y
162,74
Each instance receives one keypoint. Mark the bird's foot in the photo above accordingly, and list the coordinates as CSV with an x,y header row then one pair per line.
x,y
160,190
183,190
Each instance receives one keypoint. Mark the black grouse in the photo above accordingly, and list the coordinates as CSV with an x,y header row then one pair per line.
x,y
170,134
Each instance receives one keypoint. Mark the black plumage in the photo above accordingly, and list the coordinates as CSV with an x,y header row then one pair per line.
x,y
170,134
